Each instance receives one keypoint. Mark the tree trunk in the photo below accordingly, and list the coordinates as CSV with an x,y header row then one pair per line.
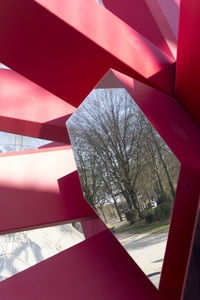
x,y
133,197
105,220
160,184
117,208
128,200
164,166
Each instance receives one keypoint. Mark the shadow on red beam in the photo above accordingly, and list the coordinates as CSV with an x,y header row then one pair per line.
x,y
33,192
188,62
29,209
48,51
170,10
133,11
97,268
181,233
112,34
28,109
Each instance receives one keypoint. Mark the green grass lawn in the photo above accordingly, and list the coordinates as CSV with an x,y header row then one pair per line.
x,y
141,228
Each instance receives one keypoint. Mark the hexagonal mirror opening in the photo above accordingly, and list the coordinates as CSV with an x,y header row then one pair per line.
x,y
127,172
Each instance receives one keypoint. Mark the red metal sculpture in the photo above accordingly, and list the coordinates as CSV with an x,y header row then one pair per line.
x,y
66,47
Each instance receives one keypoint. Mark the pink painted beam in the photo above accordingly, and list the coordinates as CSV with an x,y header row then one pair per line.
x,y
182,227
188,60
49,52
28,109
97,268
71,193
92,227
168,117
40,188
72,69
166,15
119,36
171,10
147,18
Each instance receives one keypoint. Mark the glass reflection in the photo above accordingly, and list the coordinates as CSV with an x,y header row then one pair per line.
x,y
19,251
128,174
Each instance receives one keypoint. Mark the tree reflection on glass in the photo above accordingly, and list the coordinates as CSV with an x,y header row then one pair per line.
x,y
127,172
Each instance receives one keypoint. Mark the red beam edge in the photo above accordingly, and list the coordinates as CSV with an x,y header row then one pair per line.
x,y
34,182
19,96
38,150
97,268
160,68
188,63
181,232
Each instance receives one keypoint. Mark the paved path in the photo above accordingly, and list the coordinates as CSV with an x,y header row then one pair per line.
x,y
147,251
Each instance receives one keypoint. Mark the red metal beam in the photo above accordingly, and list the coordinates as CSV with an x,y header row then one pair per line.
x,y
95,26
97,268
180,237
67,51
155,27
188,61
48,51
170,9
28,109
40,188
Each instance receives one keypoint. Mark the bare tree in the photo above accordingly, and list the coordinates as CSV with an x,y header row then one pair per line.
x,y
87,165
108,125
119,153
161,169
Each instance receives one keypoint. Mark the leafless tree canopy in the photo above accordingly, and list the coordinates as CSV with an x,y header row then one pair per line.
x,y
119,155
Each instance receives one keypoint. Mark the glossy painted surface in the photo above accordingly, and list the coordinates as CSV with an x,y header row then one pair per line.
x,y
188,63
86,31
33,185
155,28
29,110
98,268
66,47
21,250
